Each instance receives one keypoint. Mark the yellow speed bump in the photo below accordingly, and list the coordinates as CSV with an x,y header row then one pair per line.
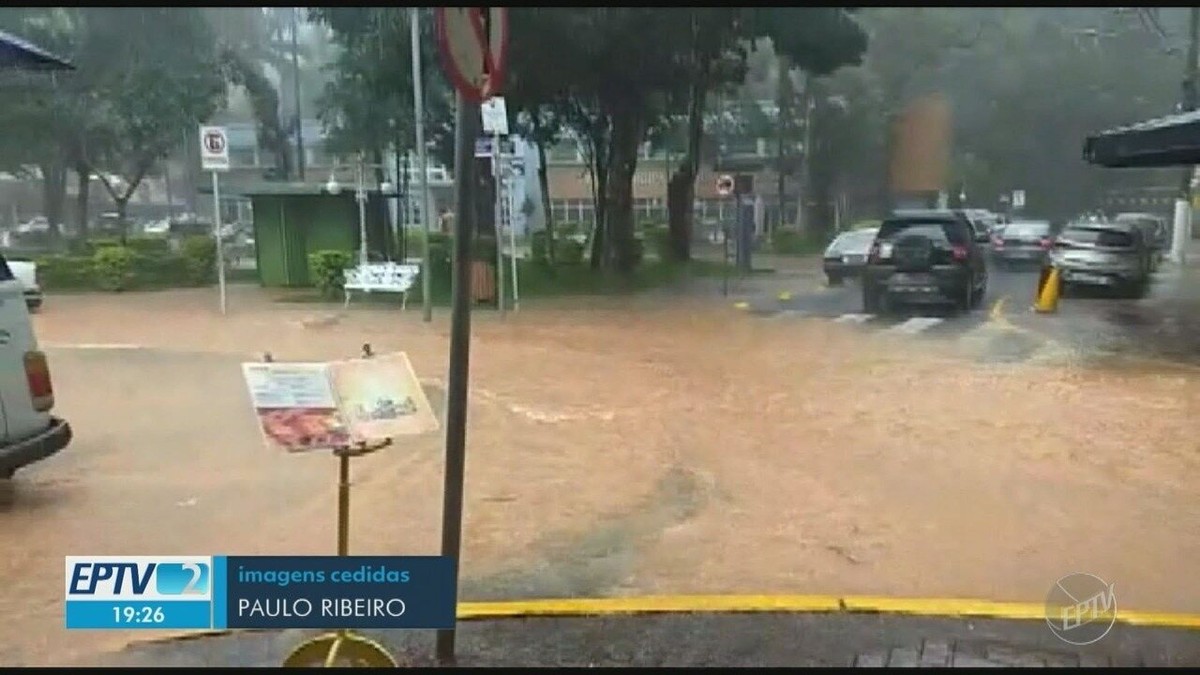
x,y
785,296
741,305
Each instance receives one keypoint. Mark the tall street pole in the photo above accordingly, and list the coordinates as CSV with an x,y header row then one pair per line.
x,y
423,161
1191,79
296,94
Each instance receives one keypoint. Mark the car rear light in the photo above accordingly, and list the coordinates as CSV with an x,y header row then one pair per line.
x,y
880,251
959,252
37,375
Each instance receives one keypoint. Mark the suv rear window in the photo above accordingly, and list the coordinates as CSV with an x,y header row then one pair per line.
x,y
936,229
1097,237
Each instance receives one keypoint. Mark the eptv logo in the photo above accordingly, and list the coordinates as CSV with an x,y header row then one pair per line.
x,y
139,578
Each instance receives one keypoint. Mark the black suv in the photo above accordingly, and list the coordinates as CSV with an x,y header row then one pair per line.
x,y
931,257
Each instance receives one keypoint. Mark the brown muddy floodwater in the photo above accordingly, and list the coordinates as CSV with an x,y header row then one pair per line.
x,y
619,450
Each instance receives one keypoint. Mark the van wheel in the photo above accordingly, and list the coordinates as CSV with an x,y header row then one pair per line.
x,y
966,298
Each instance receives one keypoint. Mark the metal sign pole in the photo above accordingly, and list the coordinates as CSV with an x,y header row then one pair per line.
x,y
216,190
497,211
466,131
512,243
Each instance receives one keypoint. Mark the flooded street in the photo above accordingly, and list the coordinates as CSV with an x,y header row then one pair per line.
x,y
678,446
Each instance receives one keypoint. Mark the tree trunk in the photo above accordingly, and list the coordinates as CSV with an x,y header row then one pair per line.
x,y
627,133
122,205
681,190
599,168
547,212
389,233
54,196
82,200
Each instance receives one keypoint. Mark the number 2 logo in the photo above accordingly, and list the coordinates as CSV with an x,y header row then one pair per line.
x,y
197,573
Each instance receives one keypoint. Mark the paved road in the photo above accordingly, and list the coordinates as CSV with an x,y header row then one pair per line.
x,y
1163,325
727,640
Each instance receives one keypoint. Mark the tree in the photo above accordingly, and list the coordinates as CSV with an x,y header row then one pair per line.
x,y
153,74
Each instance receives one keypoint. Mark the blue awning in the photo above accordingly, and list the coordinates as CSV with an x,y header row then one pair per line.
x,y
1166,141
17,53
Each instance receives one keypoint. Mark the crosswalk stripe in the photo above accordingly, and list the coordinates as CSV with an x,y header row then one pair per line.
x,y
854,318
915,325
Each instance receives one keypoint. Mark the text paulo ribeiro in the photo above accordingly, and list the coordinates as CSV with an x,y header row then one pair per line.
x,y
325,606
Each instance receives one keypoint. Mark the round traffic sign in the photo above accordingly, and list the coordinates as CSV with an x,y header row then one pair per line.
x,y
725,185
214,142
474,48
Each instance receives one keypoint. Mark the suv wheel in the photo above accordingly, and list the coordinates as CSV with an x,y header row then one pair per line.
x,y
872,300
966,297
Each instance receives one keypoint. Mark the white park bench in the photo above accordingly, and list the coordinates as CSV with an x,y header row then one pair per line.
x,y
382,277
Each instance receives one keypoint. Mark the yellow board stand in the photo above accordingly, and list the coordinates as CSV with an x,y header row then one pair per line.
x,y
343,648
1049,290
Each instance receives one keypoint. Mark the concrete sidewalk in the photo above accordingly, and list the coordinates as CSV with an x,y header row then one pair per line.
x,y
717,640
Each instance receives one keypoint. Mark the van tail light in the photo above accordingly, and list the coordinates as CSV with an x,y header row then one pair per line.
x,y
959,253
37,374
1047,242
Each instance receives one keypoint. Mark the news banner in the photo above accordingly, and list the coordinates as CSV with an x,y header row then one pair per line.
x,y
221,592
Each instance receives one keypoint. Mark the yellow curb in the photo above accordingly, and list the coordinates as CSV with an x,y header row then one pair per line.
x,y
785,296
945,607
755,604
677,604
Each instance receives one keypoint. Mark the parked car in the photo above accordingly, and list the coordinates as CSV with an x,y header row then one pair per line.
x,y
932,257
25,272
1155,231
984,220
1109,254
30,432
1025,242
847,254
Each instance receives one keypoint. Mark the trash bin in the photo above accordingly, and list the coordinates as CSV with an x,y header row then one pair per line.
x,y
483,281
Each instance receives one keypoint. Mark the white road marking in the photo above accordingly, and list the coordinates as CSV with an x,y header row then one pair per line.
x,y
915,325
89,345
854,318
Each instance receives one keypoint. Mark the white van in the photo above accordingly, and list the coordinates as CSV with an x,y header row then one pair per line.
x,y
28,432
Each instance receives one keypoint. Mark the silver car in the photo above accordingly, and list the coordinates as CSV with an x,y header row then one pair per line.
x,y
847,254
1107,254
1022,242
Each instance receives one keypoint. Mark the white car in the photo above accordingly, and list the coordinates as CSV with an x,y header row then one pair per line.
x,y
30,432
26,272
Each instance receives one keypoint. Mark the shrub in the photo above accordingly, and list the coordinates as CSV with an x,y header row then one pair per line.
x,y
659,240
199,254
568,252
328,269
791,242
538,248
162,270
113,267
149,245
65,272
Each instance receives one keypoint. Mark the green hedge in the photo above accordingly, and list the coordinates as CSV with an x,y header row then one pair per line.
x,y
328,269
791,242
142,263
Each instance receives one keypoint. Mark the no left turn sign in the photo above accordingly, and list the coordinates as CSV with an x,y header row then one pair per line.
x,y
214,149
725,185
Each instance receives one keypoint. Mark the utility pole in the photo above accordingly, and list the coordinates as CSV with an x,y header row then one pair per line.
x,y
296,94
426,209
1191,79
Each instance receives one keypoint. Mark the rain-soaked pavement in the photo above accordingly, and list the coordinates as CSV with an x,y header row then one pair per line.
x,y
668,444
